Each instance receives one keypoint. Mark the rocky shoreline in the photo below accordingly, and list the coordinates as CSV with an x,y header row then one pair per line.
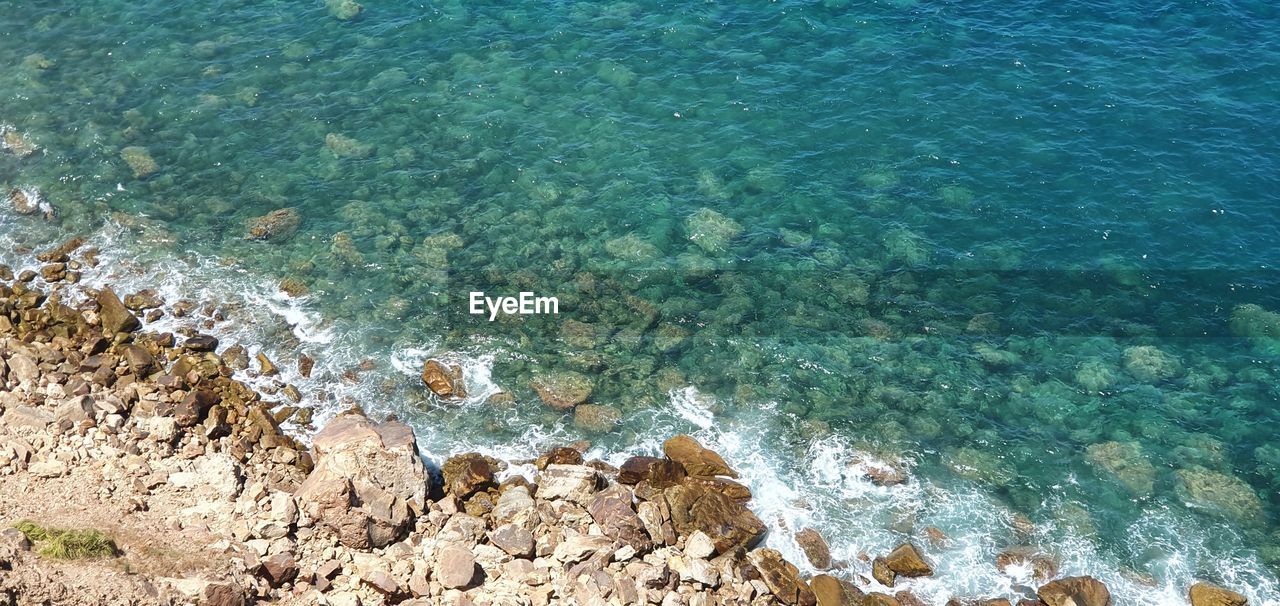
x,y
150,440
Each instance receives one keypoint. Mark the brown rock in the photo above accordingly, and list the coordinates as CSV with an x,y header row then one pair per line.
x,y
513,539
455,567
115,317
444,380
729,488
876,598
141,362
815,548
881,573
1205,594
635,470
831,591
305,364
906,561
1075,591
193,407
596,418
467,474
698,461
613,513
730,525
559,456
222,593
280,569
782,578
276,225
1043,566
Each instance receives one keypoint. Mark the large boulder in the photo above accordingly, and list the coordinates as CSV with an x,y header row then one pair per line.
x,y
815,548
903,561
696,459
613,512
113,315
367,479
1075,591
782,578
577,483
1125,462
831,591
730,524
467,474
1205,594
1220,493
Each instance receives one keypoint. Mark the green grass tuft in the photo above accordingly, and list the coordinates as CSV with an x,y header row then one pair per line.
x,y
68,544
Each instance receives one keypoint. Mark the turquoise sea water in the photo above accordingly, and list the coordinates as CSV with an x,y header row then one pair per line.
x,y
1016,244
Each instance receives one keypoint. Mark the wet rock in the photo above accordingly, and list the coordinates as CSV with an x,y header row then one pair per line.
x,y
455,567
305,364
200,343
367,476
1126,463
1205,594
143,300
782,578
293,287
279,224
1042,565
444,380
878,472
596,418
467,474
15,143
815,548
343,146
139,161
1221,493
613,512
115,317
636,470
265,366
903,561
1149,364
29,201
235,357
558,456
562,390
1075,591
830,591
729,524
344,10
193,408
696,459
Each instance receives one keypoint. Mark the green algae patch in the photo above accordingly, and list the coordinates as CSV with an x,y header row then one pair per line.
x,y
68,544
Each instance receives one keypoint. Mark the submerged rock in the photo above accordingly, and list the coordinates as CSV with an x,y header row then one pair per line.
x,y
596,418
344,10
562,390
1149,365
29,201
343,146
1254,321
1221,493
711,230
15,143
1124,461
139,161
444,380
278,224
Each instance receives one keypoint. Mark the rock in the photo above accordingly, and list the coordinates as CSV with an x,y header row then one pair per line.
x,y
579,547
455,567
695,569
276,225
613,513
880,473
235,357
564,390
343,146
192,409
876,598
596,418
815,548
1075,591
143,300
1043,566
558,456
15,143
831,591
711,230
29,201
344,10
382,582
730,525
1205,594
26,416
513,539
782,577
881,573
200,343
266,367
222,593
467,474
576,483
113,315
139,161
48,469
1254,321
1124,461
698,461
1150,365
635,470
444,380
1220,493
366,477
23,369
699,545
905,561
140,361
280,569
74,411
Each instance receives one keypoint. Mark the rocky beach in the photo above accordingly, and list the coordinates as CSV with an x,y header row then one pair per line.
x,y
137,468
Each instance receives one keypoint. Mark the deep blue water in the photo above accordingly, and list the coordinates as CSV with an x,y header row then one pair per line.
x,y
1028,246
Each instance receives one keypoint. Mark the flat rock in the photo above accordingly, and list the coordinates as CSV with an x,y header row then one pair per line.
x,y
513,539
697,460
1205,594
831,591
576,483
613,512
455,567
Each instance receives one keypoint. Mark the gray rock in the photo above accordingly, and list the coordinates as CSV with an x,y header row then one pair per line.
x,y
513,539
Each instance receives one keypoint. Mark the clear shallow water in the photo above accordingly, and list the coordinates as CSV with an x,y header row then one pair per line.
x,y
919,229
